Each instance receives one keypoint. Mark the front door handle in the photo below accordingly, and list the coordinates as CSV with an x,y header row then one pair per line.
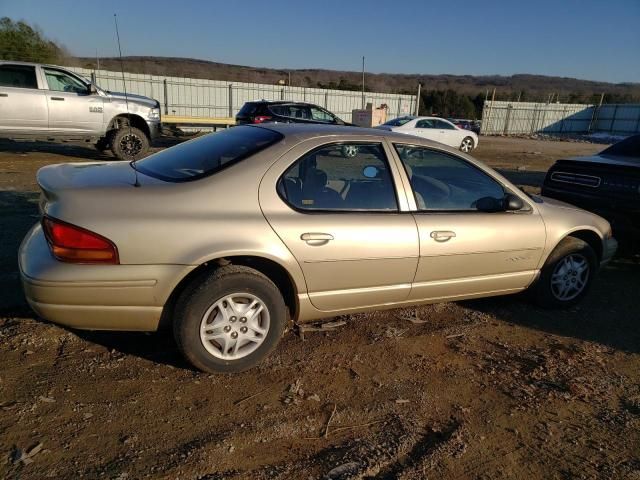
x,y
442,235
316,238
4,94
60,99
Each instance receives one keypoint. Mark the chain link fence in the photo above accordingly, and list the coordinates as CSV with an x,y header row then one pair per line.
x,y
194,97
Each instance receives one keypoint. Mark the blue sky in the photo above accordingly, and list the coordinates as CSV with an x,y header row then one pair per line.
x,y
589,39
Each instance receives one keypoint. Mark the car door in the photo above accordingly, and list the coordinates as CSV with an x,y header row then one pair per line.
x,y
72,109
426,128
335,206
23,107
449,134
466,252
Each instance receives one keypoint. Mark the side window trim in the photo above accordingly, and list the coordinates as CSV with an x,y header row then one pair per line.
x,y
415,208
387,159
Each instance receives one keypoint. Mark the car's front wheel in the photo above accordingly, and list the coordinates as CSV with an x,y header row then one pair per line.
x,y
567,274
128,143
230,320
467,144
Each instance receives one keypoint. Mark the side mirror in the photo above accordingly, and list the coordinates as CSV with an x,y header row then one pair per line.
x,y
91,89
513,202
489,205
370,171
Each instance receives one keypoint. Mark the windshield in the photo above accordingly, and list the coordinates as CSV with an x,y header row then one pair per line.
x,y
207,155
629,147
398,122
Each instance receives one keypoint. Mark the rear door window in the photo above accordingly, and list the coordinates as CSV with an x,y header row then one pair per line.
x,y
207,155
340,177
19,76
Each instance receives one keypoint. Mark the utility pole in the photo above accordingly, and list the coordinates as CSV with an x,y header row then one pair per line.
x,y
289,78
418,100
363,82
97,60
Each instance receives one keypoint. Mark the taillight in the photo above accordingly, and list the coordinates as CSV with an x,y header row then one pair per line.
x,y
261,118
73,244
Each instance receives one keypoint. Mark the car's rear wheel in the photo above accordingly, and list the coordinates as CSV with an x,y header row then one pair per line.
x,y
567,274
230,320
467,144
128,143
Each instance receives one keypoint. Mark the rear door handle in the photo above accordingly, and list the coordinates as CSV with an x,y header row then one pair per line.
x,y
60,99
4,94
442,235
316,238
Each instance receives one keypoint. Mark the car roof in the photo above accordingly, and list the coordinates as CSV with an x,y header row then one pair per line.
x,y
29,64
282,102
305,131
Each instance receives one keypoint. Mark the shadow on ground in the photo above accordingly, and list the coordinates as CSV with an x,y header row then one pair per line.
x,y
608,314
18,213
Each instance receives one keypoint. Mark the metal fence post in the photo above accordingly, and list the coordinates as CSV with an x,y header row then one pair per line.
x,y
326,99
93,77
507,118
282,94
230,100
613,119
166,97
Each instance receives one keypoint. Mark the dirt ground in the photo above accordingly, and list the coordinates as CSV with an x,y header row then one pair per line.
x,y
489,389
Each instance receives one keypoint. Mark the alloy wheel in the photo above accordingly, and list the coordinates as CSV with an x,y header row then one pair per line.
x,y
467,145
234,326
570,277
130,145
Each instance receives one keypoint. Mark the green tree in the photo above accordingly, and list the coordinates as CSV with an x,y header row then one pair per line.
x,y
21,42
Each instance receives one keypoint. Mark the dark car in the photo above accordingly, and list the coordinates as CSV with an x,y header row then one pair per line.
x,y
285,112
607,184
465,124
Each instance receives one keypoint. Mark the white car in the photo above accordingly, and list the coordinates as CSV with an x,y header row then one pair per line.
x,y
436,129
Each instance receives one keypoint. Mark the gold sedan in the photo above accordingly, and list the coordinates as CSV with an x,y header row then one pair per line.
x,y
228,236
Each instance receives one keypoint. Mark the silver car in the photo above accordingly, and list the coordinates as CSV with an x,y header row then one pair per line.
x,y
230,236
50,103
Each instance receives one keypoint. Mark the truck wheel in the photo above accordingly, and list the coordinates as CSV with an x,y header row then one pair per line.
x,y
128,143
567,274
230,320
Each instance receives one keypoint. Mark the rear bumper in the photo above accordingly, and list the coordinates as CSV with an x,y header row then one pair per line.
x,y
94,297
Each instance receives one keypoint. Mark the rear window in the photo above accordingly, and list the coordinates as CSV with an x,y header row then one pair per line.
x,y
398,122
629,147
248,109
207,155
20,76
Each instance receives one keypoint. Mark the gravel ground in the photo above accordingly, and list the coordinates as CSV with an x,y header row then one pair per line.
x,y
488,389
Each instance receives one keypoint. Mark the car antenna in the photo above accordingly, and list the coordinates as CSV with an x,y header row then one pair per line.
x,y
126,98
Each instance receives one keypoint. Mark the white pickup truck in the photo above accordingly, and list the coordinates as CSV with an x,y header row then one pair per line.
x,y
50,103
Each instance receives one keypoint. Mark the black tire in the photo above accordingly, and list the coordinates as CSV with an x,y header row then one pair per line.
x,y
103,145
203,294
128,143
543,291
467,145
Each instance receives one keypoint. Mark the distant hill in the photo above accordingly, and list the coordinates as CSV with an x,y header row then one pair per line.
x,y
528,87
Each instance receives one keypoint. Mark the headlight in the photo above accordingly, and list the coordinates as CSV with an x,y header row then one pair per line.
x,y
154,114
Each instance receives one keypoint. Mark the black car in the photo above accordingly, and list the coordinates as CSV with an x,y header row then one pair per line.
x,y
285,112
607,184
